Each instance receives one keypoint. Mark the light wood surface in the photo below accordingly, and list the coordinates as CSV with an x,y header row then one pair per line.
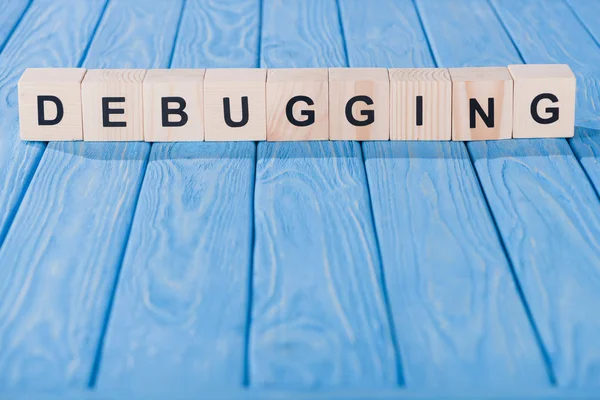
x,y
347,83
239,85
101,84
554,110
420,104
284,84
64,85
184,84
481,85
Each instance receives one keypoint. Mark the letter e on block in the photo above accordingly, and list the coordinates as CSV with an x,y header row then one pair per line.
x,y
235,104
482,103
297,105
359,104
420,104
173,105
544,101
113,107
50,104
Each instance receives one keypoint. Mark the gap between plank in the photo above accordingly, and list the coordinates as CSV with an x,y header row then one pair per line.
x,y
542,348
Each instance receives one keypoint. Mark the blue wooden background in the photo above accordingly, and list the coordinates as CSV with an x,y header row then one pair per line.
x,y
314,269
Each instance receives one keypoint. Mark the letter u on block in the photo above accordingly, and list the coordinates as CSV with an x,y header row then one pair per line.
x,y
235,104
482,102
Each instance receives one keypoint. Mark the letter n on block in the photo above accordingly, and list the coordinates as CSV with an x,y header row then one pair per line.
x,y
235,104
544,101
173,106
113,105
50,104
359,104
297,105
482,102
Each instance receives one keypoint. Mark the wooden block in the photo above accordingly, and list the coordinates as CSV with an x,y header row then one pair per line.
x,y
297,104
173,106
544,101
235,104
50,104
482,101
420,104
359,102
113,105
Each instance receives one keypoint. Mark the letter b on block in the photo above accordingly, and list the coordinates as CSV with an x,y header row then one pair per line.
x,y
482,102
359,104
50,104
544,101
173,105
235,104
297,106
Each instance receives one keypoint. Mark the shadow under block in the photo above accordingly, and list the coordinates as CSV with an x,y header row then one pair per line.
x,y
544,101
420,104
173,105
112,105
297,104
50,104
235,104
482,103
359,104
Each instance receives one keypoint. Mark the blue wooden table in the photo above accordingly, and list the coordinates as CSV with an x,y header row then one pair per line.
x,y
313,270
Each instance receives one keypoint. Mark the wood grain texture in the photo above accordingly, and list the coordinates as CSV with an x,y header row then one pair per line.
x,y
105,83
12,12
432,120
40,40
544,206
318,314
180,311
458,318
61,257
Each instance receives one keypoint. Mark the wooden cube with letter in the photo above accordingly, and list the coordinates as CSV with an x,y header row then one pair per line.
x,y
173,106
544,101
420,104
482,103
359,104
50,104
235,104
113,105
297,104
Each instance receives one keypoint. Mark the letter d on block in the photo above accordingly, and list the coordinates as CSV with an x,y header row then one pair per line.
x,y
482,100
50,104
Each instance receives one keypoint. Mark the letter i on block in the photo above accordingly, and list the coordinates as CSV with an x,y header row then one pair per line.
x,y
482,103
297,104
544,101
420,104
113,105
359,104
235,104
50,104
173,106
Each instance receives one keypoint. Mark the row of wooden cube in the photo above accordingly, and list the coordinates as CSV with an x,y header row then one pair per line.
x,y
521,101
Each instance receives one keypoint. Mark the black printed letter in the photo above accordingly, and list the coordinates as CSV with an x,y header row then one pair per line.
x,y
553,111
227,113
107,111
166,111
419,110
309,114
488,118
370,114
60,111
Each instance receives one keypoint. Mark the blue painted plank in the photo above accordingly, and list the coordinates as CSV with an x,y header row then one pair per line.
x,y
573,323
30,45
62,254
545,208
11,14
458,317
180,311
319,316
